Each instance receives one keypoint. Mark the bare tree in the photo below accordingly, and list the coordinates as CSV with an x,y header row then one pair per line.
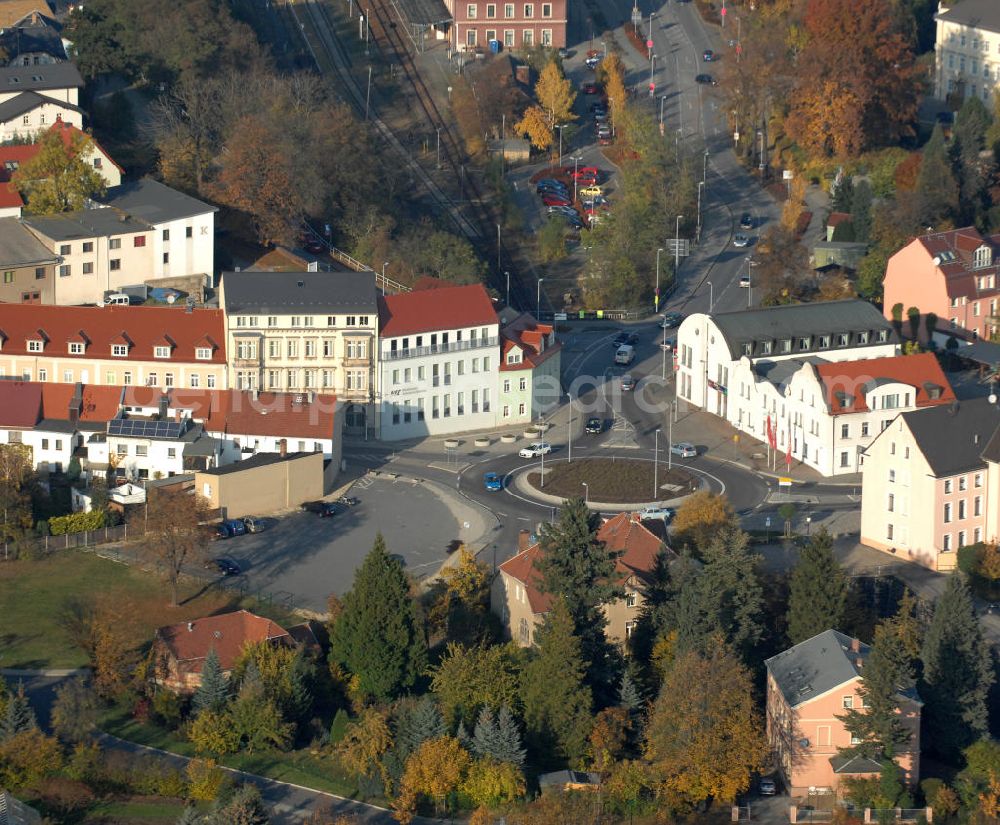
x,y
175,531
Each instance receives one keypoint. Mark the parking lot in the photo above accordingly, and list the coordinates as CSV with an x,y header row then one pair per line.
x,y
303,558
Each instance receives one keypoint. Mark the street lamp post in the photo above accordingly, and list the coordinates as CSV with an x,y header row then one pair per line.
x,y
384,265
701,185
670,439
711,296
662,98
663,350
439,147
677,246
576,169
656,294
750,263
507,274
652,68
498,246
656,464
586,493
538,298
560,127
569,427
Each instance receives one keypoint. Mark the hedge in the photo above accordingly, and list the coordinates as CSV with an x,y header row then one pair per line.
x,y
77,522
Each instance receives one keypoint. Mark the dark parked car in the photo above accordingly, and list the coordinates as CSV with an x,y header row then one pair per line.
x,y
595,426
708,55
629,338
323,509
746,221
672,319
707,79
231,527
223,565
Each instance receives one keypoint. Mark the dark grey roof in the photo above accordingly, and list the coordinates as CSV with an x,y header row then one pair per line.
x,y
854,765
981,352
798,321
33,38
979,14
18,247
779,372
258,460
49,76
85,223
56,425
285,292
152,201
815,666
425,12
203,445
15,812
28,101
955,437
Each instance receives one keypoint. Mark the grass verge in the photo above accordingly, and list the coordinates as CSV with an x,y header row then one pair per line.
x,y
626,481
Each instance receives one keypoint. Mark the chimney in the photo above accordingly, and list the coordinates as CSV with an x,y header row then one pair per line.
x,y
523,540
855,645
283,447
190,627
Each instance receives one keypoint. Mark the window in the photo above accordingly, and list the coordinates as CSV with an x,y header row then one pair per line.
x,y
529,10
847,702
203,353
506,385
521,409
75,348
891,505
126,378
892,476
39,273
122,449
843,339
508,11
947,513
115,264
977,480
546,9
523,384
210,382
845,430
161,352
962,483
116,243
141,450
470,37
546,37
189,232
508,38
977,506
168,379
119,350
844,459
64,270
947,486
43,374
166,257
528,38
310,348
35,346
491,35
961,539
151,380
506,411
65,249
194,380
166,234
88,268
890,402
292,348
491,10
961,509
864,429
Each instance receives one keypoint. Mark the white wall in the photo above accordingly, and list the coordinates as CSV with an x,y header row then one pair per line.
x,y
188,256
38,119
48,449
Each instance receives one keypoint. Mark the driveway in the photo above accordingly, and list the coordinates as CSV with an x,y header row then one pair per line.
x,y
304,558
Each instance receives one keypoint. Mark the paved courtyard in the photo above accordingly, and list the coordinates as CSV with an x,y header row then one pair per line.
x,y
303,558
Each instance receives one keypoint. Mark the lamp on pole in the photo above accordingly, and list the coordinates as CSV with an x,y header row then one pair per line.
x,y
711,296
569,428
750,262
704,167
507,275
662,98
652,68
677,246
586,492
576,169
498,246
656,294
663,351
439,148
384,265
670,437
656,464
701,185
560,127
538,298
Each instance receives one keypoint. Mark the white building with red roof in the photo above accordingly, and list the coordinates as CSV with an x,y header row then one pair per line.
x,y
530,362
953,275
439,362
825,414
518,598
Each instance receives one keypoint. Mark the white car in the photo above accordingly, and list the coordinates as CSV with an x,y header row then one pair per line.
x,y
684,450
535,450
745,281
741,241
656,512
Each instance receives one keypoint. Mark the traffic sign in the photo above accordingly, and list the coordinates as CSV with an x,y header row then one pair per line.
x,y
722,11
649,43
679,246
784,482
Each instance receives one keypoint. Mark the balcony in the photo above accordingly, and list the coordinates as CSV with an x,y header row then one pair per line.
x,y
440,349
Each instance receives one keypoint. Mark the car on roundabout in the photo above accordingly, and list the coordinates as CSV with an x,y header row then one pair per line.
x,y
536,449
595,426
656,511
684,449
492,482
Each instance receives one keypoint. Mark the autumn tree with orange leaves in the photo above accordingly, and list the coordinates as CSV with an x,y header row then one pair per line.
x,y
857,81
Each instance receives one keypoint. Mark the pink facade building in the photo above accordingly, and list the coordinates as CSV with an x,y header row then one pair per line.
x,y
519,25
809,687
952,274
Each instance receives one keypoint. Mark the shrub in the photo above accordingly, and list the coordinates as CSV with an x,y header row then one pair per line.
x,y
77,522
205,780
167,708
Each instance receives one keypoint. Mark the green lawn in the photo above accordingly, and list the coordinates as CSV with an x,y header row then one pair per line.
x,y
33,594
137,811
621,480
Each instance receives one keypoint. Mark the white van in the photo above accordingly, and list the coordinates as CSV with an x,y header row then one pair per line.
x,y
625,354
115,299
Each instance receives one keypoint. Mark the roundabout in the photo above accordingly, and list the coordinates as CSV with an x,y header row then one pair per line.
x,y
613,480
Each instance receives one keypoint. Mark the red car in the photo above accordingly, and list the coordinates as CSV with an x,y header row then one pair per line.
x,y
555,200
586,172
591,88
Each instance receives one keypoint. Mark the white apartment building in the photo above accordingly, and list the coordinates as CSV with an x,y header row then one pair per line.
x,y
709,347
305,332
439,362
32,98
967,49
825,414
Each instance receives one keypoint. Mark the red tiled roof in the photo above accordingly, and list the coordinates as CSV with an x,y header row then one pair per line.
x,y
20,403
634,547
954,253
430,282
527,333
427,310
189,642
137,325
837,218
851,379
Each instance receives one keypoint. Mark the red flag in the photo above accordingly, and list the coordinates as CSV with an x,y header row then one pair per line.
x,y
788,450
772,435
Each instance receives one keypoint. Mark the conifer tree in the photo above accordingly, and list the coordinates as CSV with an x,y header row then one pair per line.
x,y
379,636
958,673
861,211
19,716
484,735
557,702
508,739
936,184
419,723
462,735
213,692
629,696
818,591
190,816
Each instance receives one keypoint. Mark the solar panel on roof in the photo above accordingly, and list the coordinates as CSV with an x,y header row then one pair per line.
x,y
141,428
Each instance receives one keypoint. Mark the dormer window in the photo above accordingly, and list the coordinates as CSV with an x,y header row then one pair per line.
x,y
982,257
843,339
824,341
119,350
161,352
203,353
514,356
35,345
845,400
863,337
75,348
765,347
748,348
805,343
786,345
883,336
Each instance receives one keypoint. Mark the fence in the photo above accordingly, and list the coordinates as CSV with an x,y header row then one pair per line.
x,y
70,541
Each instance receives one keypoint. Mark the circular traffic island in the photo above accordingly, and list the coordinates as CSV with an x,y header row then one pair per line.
x,y
614,480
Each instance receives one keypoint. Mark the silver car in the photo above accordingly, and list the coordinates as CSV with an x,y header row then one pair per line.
x,y
535,450
684,450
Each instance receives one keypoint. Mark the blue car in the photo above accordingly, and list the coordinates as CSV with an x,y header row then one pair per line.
x,y
492,482
230,528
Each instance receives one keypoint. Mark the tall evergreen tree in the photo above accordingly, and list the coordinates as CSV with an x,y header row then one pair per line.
x,y
190,816
629,696
843,196
936,184
861,211
213,692
484,736
508,739
968,140
19,716
557,702
462,735
887,674
958,673
379,636
245,807
818,591
730,595
417,724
